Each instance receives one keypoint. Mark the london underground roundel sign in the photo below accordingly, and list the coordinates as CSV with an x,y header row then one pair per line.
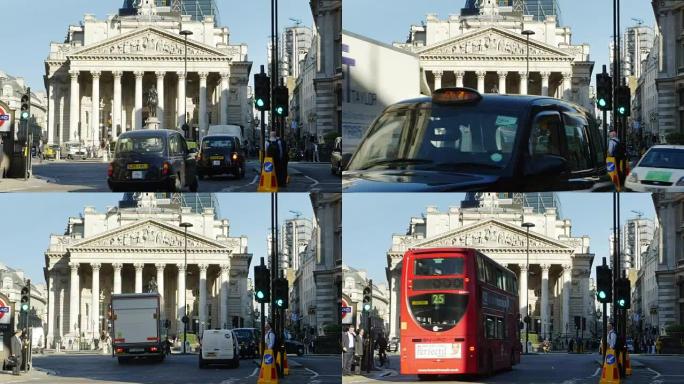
x,y
5,312
5,119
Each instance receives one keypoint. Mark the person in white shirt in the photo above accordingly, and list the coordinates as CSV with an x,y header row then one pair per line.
x,y
612,336
348,346
269,337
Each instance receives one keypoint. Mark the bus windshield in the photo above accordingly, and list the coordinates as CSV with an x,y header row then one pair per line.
x,y
438,312
438,266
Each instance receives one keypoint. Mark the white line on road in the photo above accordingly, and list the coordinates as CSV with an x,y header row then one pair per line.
x,y
657,374
256,178
315,374
256,370
315,182
598,370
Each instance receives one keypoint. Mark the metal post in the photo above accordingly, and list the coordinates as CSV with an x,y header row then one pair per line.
x,y
186,319
527,291
186,126
262,347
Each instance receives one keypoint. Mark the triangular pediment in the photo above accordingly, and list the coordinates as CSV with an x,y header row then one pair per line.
x,y
491,233
147,234
491,41
149,41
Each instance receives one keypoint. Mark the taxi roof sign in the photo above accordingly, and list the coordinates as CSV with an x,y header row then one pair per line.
x,y
456,96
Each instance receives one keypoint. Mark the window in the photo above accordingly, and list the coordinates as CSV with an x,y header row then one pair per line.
x,y
491,273
383,142
500,279
494,327
438,266
481,275
578,156
546,134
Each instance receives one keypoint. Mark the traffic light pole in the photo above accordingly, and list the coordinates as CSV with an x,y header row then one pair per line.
x,y
263,322
604,331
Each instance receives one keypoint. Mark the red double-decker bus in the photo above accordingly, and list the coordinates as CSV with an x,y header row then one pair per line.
x,y
459,313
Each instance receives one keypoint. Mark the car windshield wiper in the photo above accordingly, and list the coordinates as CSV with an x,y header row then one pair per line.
x,y
401,161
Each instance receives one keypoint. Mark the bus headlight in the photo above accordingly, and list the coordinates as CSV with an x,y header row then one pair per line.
x,y
633,177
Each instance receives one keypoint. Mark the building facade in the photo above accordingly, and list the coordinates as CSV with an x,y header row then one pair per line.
x,y
488,52
670,79
645,103
142,249
97,78
559,262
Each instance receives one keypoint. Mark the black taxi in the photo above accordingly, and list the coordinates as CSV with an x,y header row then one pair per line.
x,y
461,140
152,160
221,154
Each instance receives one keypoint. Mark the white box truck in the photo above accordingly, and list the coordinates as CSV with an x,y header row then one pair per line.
x,y
137,327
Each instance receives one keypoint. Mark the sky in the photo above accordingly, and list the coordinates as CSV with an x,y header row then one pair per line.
x,y
34,216
367,238
24,53
591,21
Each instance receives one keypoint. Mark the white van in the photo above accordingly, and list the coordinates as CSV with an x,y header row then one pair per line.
x,y
228,130
219,346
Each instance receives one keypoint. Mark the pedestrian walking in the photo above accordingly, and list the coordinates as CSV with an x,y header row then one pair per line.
x,y
16,347
316,157
659,345
360,352
348,347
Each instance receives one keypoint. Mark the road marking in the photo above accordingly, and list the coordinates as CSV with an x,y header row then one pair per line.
x,y
315,374
254,181
657,374
598,370
256,370
315,182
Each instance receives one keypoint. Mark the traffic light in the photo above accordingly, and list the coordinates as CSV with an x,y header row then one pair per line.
x,y
622,297
578,322
604,92
26,297
604,284
262,92
368,297
280,293
26,106
623,100
262,284
281,100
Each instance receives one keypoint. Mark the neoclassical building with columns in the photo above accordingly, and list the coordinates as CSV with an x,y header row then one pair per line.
x,y
556,278
97,78
140,247
488,52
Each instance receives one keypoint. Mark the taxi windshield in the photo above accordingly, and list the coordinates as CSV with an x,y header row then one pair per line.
x,y
139,145
663,158
442,137
217,143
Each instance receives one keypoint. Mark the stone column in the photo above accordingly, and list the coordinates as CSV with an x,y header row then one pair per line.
x,y
502,81
180,301
116,105
203,125
459,78
117,277
224,295
181,99
567,86
52,291
95,302
438,79
523,294
51,113
567,278
224,97
160,104
394,306
138,277
203,296
545,83
95,111
545,300
160,278
523,83
138,99
60,323
481,81
74,296
74,106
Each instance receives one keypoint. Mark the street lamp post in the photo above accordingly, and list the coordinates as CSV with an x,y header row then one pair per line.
x,y
527,33
186,126
527,225
185,278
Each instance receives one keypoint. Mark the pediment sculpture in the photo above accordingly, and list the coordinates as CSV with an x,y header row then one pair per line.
x,y
147,43
491,43
489,236
148,236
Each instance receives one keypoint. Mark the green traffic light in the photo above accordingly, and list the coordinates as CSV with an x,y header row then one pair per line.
x,y
279,110
279,302
24,115
621,302
260,102
621,110
366,307
602,295
25,307
260,294
602,102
